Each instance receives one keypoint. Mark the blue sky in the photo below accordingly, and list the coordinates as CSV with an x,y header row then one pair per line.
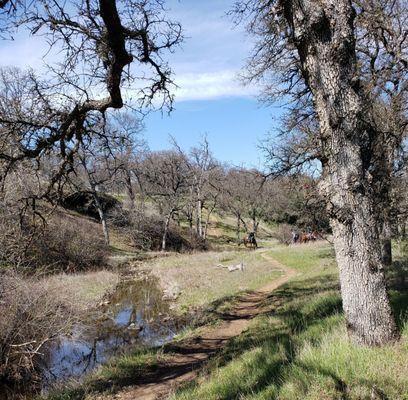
x,y
210,99
233,125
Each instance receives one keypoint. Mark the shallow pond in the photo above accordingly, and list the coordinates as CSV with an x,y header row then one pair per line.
x,y
135,316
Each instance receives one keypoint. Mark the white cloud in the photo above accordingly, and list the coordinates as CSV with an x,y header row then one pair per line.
x,y
210,60
206,66
211,85
25,51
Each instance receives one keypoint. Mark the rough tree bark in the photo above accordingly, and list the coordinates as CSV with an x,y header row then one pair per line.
x,y
353,166
386,242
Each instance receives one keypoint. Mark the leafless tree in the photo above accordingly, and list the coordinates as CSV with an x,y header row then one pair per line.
x,y
244,196
234,198
311,50
102,46
128,153
213,194
96,171
168,179
104,160
202,164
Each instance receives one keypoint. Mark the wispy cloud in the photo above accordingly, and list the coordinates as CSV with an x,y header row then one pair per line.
x,y
209,63
211,85
206,66
24,51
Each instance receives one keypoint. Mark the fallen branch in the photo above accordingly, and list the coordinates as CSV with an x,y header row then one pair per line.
x,y
232,268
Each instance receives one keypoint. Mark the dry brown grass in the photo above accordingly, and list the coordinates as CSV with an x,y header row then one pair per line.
x,y
33,312
87,289
65,242
200,281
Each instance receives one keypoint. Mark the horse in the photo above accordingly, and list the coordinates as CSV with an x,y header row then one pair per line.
x,y
308,237
249,241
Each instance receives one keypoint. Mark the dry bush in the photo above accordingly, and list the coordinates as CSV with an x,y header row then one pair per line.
x,y
62,243
32,314
146,232
83,202
13,241
197,242
283,234
70,244
121,217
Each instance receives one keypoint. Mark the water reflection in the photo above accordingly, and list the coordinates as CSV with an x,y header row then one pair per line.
x,y
135,316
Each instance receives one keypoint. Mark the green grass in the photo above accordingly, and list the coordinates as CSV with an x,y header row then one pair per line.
x,y
299,350
118,373
203,285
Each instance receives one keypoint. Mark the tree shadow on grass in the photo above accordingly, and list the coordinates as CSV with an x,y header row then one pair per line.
x,y
297,306
397,279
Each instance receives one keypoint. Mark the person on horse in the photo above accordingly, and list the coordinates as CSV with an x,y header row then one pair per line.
x,y
251,238
295,236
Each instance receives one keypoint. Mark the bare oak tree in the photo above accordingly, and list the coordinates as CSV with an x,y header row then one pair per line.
x,y
100,47
311,47
167,180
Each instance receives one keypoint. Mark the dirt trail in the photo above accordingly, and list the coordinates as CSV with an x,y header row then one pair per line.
x,y
188,356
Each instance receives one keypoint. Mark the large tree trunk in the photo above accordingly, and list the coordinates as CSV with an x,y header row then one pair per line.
x,y
386,242
363,288
353,166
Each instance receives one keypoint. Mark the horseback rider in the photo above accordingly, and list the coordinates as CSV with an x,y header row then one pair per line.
x,y
251,239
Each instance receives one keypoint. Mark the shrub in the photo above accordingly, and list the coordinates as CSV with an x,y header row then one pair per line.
x,y
83,202
146,232
32,314
70,244
283,234
62,243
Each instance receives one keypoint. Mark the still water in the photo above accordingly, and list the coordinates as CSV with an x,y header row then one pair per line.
x,y
135,316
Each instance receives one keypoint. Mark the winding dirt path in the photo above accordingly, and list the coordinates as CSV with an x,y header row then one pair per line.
x,y
188,356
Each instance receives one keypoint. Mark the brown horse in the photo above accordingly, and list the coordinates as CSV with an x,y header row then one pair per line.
x,y
308,237
249,241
